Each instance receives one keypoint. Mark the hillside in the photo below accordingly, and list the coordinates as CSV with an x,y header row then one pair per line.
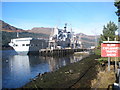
x,y
7,36
9,28
9,32
42,30
87,40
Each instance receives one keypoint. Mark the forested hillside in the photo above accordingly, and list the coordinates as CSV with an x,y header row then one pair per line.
x,y
7,36
10,32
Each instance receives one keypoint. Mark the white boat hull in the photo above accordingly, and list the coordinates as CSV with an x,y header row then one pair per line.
x,y
28,45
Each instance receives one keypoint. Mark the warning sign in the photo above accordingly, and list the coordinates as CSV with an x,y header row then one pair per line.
x,y
110,50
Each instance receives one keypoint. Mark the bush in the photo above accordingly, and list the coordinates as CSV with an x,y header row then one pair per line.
x,y
97,51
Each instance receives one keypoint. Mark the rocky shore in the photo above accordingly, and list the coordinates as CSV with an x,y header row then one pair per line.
x,y
75,75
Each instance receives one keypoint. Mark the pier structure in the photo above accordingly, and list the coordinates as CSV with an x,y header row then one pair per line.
x,y
60,52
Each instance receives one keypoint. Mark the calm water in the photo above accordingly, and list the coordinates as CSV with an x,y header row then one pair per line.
x,y
19,69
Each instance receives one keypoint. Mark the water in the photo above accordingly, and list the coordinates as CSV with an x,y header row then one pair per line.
x,y
17,70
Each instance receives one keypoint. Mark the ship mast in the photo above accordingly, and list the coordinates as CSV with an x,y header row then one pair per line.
x,y
65,27
17,34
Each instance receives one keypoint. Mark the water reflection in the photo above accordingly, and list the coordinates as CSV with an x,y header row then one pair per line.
x,y
57,62
18,70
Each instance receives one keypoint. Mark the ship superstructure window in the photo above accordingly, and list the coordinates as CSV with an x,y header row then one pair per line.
x,y
27,44
31,44
16,45
21,40
23,44
37,44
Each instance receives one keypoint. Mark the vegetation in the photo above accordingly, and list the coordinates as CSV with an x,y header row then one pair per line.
x,y
7,36
105,79
97,51
108,31
117,5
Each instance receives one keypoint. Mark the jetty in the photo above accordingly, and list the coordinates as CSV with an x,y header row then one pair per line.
x,y
61,52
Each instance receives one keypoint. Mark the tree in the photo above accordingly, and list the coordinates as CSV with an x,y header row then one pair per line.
x,y
109,31
117,4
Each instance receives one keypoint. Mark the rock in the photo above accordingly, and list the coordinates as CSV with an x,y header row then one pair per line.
x,y
66,72
71,71
34,79
41,78
45,73
6,61
39,74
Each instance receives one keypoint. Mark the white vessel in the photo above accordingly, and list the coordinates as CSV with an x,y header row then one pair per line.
x,y
28,45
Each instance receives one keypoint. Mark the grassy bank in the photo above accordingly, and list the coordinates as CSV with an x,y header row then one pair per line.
x,y
91,72
104,78
75,75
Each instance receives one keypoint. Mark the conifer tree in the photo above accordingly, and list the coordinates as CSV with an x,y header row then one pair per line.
x,y
109,31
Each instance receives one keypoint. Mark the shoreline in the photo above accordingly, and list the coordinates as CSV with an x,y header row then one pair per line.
x,y
66,76
6,48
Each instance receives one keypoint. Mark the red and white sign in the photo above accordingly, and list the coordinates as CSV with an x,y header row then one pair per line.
x,y
110,50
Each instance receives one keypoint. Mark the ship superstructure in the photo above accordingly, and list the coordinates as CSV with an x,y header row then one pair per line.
x,y
64,39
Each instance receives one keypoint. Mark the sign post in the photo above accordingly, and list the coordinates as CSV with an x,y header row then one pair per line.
x,y
119,74
111,49
108,63
115,65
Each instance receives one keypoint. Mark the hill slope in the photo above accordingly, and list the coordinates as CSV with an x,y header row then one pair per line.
x,y
8,28
9,32
42,30
88,40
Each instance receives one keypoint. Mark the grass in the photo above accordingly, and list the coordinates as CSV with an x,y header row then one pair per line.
x,y
104,78
97,51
